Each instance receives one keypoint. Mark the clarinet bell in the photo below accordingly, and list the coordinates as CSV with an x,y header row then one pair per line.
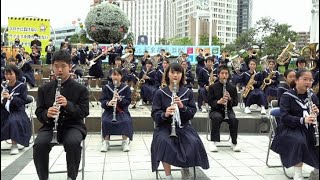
x,y
54,138
173,132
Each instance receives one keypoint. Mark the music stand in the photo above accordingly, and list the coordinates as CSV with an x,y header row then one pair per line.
x,y
89,78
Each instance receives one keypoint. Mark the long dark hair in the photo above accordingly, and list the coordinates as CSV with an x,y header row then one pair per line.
x,y
175,67
117,70
299,73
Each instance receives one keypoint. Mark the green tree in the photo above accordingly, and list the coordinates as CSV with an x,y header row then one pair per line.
x,y
107,23
183,41
204,40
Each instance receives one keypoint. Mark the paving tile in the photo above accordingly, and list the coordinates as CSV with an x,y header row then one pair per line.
x,y
241,171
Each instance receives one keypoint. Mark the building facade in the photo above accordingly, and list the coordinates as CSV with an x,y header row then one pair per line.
x,y
244,16
303,39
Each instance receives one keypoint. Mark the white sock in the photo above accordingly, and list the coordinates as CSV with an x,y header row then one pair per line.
x,y
298,170
316,171
169,177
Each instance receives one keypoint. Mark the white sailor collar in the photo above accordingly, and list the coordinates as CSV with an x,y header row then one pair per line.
x,y
181,93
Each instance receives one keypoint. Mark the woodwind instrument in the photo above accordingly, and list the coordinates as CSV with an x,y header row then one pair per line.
x,y
249,86
226,105
55,104
315,123
173,123
5,89
114,119
267,81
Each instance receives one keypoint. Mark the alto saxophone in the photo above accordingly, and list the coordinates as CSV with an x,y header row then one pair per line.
x,y
163,80
114,119
267,81
315,123
173,123
55,104
249,86
135,96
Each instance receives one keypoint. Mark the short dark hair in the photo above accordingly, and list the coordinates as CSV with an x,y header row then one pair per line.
x,y
36,35
210,58
116,70
13,68
301,59
252,60
61,55
223,67
118,58
288,72
149,62
175,67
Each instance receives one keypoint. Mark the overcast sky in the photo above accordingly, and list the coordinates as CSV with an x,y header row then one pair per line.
x,y
63,12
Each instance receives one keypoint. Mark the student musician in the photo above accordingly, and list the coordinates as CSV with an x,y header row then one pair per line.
x,y
184,57
237,73
219,101
270,75
96,69
131,71
24,63
145,57
189,77
207,76
289,77
118,64
116,119
255,96
36,43
82,53
35,55
160,73
15,123
150,86
67,107
315,85
16,44
301,63
200,62
175,102
50,49
295,135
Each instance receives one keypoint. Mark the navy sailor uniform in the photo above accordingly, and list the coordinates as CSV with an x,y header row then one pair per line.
x,y
187,149
294,141
123,126
15,123
271,90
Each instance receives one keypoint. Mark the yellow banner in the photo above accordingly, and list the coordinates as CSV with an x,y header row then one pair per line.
x,y
25,28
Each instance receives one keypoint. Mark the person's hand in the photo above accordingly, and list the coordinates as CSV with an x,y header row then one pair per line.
x,y
177,101
112,102
309,119
227,95
170,111
6,95
62,101
315,109
52,112
206,87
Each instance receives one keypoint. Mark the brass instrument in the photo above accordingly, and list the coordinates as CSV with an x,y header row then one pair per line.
x,y
114,119
236,63
309,53
212,78
163,80
173,123
263,62
315,88
5,89
249,86
315,123
135,96
267,81
167,54
23,62
224,90
55,104
286,54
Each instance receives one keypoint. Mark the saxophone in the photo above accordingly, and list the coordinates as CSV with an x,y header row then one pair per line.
x,y
55,104
136,91
267,81
315,123
163,80
249,86
212,78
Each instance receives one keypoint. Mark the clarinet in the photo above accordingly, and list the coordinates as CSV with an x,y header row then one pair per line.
x,y
5,89
55,104
173,123
315,123
114,119
226,105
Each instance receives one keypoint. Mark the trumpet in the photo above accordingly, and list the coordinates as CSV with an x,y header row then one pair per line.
x,y
55,104
315,123
115,91
5,89
173,123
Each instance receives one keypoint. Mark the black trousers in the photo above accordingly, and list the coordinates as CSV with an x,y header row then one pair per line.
x,y
71,141
217,118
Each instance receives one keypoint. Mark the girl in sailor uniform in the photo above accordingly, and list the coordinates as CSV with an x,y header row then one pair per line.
x,y
255,96
118,64
185,150
27,70
15,123
131,72
295,139
289,77
160,72
118,103
271,89
150,86
237,74
189,81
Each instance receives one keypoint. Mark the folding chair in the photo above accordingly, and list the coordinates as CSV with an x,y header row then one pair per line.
x,y
273,113
209,131
83,160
